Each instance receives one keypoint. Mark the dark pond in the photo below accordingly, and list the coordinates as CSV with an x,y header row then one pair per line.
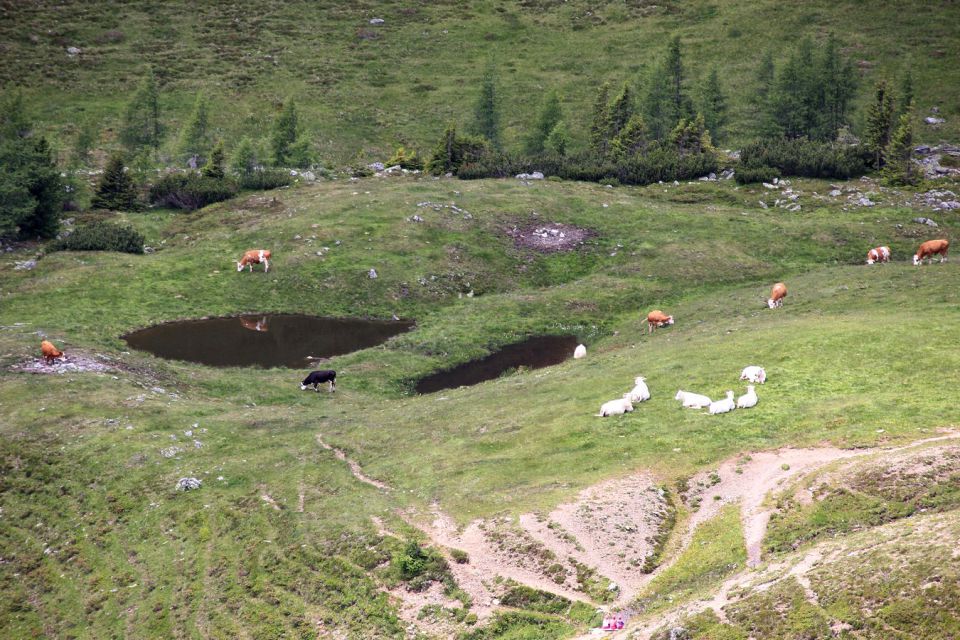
x,y
270,340
533,353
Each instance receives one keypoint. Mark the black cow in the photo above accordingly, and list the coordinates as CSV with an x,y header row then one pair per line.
x,y
316,378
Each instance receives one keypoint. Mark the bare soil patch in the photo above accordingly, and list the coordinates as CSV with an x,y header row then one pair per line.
x,y
73,363
553,237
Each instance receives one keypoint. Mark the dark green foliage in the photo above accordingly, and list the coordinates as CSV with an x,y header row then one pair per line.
x,y
518,625
301,154
418,566
620,112
550,115
600,122
284,134
141,125
713,104
805,158
101,236
906,92
749,174
195,139
459,556
631,140
559,139
189,191
214,167
87,134
486,112
879,124
244,158
452,151
264,179
405,159
764,125
31,190
900,169
116,189
666,100
837,80
523,597
691,137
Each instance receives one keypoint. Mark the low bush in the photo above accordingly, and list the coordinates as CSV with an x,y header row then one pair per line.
x,y
747,174
806,158
418,566
523,597
264,179
101,236
189,191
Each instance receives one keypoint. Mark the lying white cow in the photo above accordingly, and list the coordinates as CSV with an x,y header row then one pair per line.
x,y
754,374
749,399
616,407
692,400
640,392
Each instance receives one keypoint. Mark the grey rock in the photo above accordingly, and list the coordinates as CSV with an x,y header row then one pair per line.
x,y
922,149
309,176
377,20
376,166
416,219
726,174
863,201
170,452
187,484
536,175
148,249
933,120
926,221
836,192
25,265
372,274
73,51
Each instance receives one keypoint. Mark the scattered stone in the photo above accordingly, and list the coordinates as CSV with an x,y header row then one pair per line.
x,y
416,218
536,175
372,274
864,201
836,193
186,484
932,120
377,20
170,452
73,51
926,221
308,176
770,186
726,174
26,265
376,166
148,249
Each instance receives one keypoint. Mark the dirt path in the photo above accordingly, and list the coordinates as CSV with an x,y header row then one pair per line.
x,y
354,465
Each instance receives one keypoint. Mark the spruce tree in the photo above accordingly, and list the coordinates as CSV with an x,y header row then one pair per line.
x,y
632,139
899,169
195,139
666,100
141,121
600,121
620,111
214,167
486,112
558,140
674,71
691,137
551,113
906,92
284,134
116,190
765,122
713,104
836,78
880,119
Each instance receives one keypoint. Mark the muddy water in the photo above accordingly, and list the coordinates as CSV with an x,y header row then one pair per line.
x,y
532,353
271,340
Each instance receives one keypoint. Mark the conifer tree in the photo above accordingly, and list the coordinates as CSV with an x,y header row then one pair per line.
x,y
195,139
899,169
551,113
600,121
906,92
558,140
214,167
691,136
835,79
632,139
674,71
116,189
765,123
284,133
141,121
621,109
713,104
666,100
880,120
486,112
244,160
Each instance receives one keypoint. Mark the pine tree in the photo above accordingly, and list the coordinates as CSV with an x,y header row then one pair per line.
x,y
632,139
141,121
674,71
620,111
906,92
244,160
195,139
666,100
284,134
880,119
691,136
837,84
214,167
765,122
486,112
551,112
600,121
116,190
713,104
31,189
558,140
900,169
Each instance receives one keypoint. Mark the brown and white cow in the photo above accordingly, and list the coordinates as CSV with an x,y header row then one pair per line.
x,y
879,254
50,352
931,248
777,294
657,318
255,256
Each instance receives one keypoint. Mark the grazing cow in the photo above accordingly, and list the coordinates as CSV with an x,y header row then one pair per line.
x,y
259,324
657,318
880,254
754,373
777,294
255,256
931,248
50,352
316,378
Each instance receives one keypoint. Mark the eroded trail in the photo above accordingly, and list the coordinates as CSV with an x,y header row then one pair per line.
x,y
353,464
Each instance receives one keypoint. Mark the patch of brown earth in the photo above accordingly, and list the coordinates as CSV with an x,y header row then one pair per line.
x,y
72,363
551,237
353,464
410,604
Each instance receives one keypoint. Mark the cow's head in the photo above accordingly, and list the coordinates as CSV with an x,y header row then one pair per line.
x,y
771,303
239,266
916,259
303,387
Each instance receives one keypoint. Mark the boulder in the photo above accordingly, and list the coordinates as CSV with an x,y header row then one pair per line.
x,y
377,20
536,175
933,120
73,51
186,484
926,221
372,274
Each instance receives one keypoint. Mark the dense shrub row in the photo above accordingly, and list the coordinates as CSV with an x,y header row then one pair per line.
x,y
190,191
264,179
806,158
101,236
747,174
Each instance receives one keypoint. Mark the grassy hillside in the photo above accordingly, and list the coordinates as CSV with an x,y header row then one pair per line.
x,y
362,89
279,541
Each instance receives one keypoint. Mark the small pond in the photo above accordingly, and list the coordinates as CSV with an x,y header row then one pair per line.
x,y
267,340
532,353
